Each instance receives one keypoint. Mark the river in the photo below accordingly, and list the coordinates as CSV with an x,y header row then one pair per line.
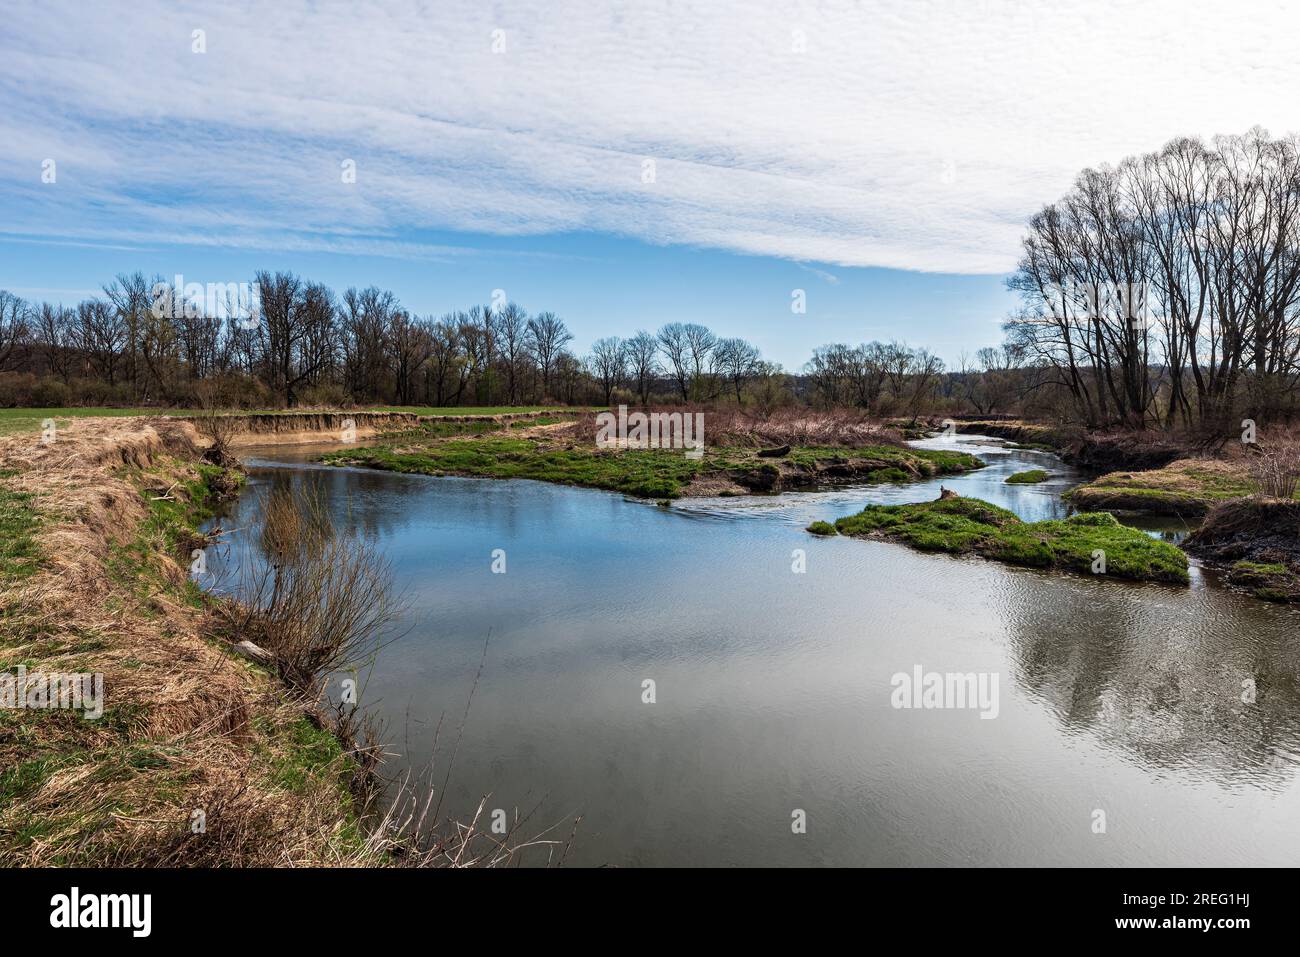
x,y
1118,703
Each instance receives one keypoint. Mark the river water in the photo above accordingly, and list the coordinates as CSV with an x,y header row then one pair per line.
x,y
1118,704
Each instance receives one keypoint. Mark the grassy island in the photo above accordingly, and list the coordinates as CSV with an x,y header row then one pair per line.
x,y
565,453
963,526
1031,477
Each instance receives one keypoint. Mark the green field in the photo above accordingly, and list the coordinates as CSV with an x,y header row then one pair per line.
x,y
476,409
29,420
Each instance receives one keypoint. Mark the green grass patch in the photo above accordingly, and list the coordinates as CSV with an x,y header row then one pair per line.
x,y
1272,581
1184,487
646,473
969,525
19,556
1031,477
649,473
308,752
823,528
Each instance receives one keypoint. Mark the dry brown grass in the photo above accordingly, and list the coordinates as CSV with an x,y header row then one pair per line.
x,y
731,427
187,726
1275,466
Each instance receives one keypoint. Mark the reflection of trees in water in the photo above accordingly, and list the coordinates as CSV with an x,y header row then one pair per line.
x,y
379,505
357,500
1160,673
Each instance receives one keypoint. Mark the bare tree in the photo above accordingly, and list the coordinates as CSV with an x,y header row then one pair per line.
x,y
736,361
365,316
101,335
673,340
15,318
642,353
547,337
410,345
512,333
609,364
700,343
53,331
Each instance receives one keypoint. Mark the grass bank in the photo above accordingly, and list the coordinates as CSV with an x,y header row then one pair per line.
x,y
560,453
1257,541
199,757
1187,487
961,526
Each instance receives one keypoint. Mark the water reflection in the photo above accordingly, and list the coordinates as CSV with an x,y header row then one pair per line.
x,y
774,687
1164,674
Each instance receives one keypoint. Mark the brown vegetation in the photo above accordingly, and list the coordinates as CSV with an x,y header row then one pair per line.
x,y
186,726
321,602
201,757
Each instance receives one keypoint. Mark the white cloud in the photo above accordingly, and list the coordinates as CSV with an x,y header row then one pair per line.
x,y
910,135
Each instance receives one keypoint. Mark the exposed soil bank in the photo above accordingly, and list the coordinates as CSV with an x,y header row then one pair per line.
x,y
302,428
1091,451
199,757
1258,540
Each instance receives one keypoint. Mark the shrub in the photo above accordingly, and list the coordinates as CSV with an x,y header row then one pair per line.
x,y
49,393
1276,468
320,601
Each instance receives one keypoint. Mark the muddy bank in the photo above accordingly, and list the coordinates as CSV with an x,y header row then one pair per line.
x,y
1258,541
250,430
1112,452
1253,529
1091,451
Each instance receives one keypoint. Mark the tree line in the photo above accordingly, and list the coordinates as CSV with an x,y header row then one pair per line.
x,y
1165,291
282,340
1160,292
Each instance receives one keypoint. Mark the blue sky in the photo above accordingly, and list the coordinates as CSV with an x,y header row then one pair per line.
x,y
622,166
